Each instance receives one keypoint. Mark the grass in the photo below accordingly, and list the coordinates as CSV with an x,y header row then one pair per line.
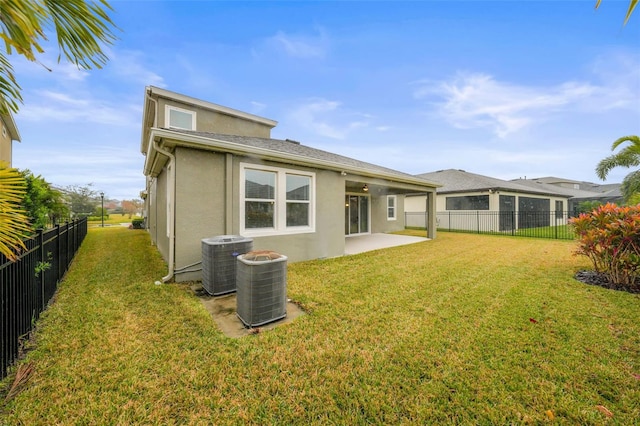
x,y
564,232
465,329
561,232
113,219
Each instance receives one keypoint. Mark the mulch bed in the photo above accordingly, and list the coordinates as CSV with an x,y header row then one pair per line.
x,y
596,278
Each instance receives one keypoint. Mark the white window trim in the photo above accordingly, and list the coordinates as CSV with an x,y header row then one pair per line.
x,y
167,117
395,207
280,207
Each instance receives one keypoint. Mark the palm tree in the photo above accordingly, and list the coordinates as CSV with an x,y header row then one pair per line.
x,y
629,156
14,224
81,28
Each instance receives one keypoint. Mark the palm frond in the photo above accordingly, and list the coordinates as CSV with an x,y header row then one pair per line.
x,y
81,29
630,186
632,5
635,143
14,224
629,156
9,87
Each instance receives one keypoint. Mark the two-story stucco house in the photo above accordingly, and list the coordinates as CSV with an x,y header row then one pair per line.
x,y
213,170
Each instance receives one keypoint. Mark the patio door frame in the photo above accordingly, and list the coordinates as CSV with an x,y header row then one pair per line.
x,y
349,214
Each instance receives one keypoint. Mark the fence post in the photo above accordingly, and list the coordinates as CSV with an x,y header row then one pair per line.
x,y
58,273
513,223
39,263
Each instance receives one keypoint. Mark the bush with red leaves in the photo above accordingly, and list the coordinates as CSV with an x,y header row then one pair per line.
x,y
610,237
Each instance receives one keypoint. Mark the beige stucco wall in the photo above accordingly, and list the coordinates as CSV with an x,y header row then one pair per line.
x,y
158,209
328,238
202,203
415,203
216,122
5,144
208,204
379,221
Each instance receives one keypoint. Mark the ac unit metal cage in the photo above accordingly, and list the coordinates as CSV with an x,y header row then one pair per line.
x,y
261,281
219,262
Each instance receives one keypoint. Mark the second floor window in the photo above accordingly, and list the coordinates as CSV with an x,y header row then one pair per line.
x,y
178,118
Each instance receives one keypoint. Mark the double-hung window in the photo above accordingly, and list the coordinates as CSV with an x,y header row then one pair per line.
x,y
178,118
391,207
276,201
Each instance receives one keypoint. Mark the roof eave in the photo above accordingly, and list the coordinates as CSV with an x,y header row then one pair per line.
x,y
153,165
11,127
152,90
498,189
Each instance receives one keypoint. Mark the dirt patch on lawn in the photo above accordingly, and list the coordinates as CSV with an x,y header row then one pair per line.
x,y
223,312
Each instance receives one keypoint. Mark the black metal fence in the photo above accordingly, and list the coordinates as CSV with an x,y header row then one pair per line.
x,y
26,286
538,224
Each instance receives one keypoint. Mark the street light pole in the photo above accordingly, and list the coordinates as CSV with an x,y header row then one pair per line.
x,y
102,207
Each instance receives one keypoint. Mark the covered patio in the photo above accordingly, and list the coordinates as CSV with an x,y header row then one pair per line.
x,y
369,242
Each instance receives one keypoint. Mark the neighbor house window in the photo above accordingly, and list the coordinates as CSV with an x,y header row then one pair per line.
x,y
276,201
468,202
178,118
559,210
391,207
533,212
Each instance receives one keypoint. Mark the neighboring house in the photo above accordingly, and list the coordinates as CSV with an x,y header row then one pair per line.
x,y
9,133
212,170
579,191
463,193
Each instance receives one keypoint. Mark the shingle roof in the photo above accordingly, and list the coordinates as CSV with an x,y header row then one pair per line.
x,y
289,147
454,180
569,192
583,185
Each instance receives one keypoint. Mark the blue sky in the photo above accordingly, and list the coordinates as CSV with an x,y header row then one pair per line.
x,y
506,89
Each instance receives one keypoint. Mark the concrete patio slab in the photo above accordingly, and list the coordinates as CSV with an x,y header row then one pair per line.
x,y
223,311
363,243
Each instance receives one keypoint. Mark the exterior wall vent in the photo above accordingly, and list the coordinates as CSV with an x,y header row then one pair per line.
x,y
219,262
261,282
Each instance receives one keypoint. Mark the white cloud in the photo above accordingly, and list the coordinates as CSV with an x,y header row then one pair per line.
x,y
45,105
300,46
257,107
478,100
327,118
129,64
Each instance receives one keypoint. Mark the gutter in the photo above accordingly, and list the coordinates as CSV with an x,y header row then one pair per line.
x,y
171,199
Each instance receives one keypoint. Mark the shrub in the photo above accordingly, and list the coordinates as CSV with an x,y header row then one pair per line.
x,y
137,223
610,237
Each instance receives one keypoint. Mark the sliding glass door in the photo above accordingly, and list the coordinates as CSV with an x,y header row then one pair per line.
x,y
356,214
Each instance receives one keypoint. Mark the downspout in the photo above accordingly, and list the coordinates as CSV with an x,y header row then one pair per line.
x,y
171,198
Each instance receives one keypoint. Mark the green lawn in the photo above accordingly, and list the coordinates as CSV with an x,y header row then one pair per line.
x,y
113,219
465,329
